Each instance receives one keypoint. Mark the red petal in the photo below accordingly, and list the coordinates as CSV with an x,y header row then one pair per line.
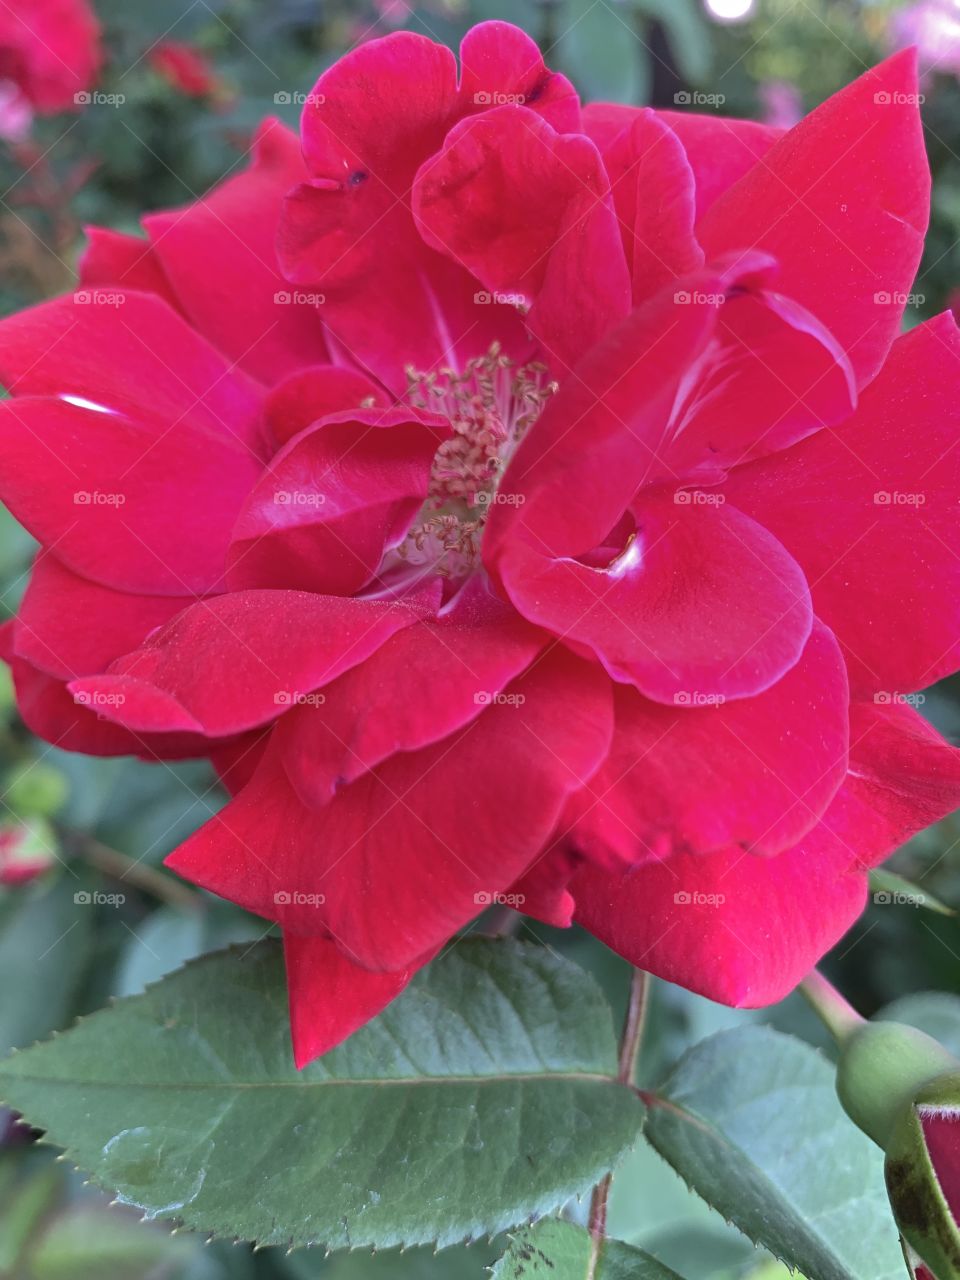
x,y
113,258
842,202
51,712
262,652
774,376
720,150
330,997
647,157
500,60
941,1133
131,353
870,512
219,255
390,299
744,930
701,602
132,502
410,852
304,397
528,211
758,772
69,626
332,501
453,667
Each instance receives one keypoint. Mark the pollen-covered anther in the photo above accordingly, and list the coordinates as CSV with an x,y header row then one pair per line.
x,y
490,406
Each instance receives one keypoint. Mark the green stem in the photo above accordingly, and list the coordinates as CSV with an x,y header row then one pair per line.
x,y
833,1009
120,867
630,1039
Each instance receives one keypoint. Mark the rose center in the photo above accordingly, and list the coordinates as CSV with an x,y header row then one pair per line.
x,y
490,406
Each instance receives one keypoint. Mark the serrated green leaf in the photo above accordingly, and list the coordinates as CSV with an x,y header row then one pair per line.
x,y
751,1120
171,936
563,1251
464,1262
481,1098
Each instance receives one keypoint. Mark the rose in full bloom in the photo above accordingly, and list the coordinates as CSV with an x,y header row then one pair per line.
x,y
519,503
49,53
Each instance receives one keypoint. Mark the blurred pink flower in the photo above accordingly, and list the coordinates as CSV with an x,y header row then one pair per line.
x,y
49,56
185,68
781,103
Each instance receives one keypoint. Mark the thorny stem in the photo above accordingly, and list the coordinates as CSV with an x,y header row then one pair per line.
x,y
630,1039
833,1009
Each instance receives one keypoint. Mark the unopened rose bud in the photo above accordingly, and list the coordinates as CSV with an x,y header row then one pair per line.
x,y
902,1088
26,851
883,1066
922,1170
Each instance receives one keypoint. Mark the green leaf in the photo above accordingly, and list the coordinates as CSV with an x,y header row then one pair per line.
x,y
751,1120
44,943
170,937
23,1209
563,1251
688,33
482,1097
597,48
93,1243
889,888
465,1262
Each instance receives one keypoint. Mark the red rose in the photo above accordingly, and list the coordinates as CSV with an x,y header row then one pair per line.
x,y
566,526
185,68
50,52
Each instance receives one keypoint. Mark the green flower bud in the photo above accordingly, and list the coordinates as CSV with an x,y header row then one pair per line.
x,y
922,1170
883,1066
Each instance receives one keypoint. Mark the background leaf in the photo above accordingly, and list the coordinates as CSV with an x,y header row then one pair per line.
x,y
44,944
751,1120
480,1098
562,1251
